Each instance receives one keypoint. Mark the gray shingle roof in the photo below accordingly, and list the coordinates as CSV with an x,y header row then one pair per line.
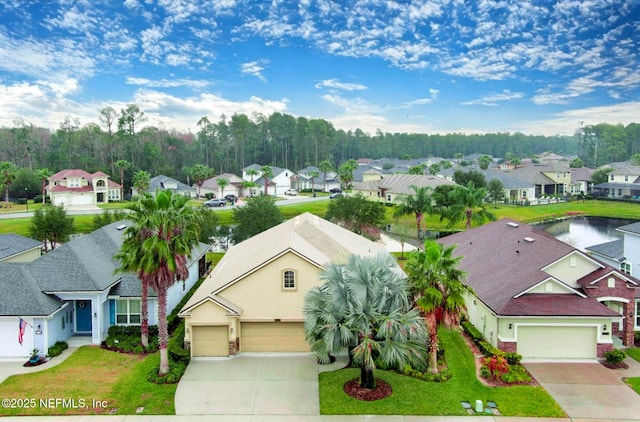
x,y
613,249
161,182
21,296
12,244
630,228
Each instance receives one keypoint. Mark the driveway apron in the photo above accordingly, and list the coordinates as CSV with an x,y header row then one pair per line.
x,y
250,384
589,390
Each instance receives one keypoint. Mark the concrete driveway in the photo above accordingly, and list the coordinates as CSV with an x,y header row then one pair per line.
x,y
250,384
589,390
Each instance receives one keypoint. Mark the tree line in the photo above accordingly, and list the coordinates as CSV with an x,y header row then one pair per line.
x,y
228,144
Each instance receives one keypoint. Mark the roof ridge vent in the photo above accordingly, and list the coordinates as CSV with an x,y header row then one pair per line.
x,y
529,239
512,224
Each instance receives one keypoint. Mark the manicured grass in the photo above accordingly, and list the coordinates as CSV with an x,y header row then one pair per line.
x,y
415,397
634,352
89,374
634,383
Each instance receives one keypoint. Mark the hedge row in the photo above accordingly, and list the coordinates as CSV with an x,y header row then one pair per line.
x,y
57,349
487,348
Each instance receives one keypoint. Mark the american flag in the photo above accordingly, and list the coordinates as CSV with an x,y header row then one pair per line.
x,y
23,326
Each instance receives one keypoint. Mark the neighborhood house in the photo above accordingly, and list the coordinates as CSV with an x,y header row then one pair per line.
x,y
73,291
253,299
537,296
72,188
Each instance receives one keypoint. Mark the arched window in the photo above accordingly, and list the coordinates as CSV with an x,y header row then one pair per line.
x,y
289,280
100,183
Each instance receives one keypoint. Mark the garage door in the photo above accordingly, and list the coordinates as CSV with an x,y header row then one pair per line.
x,y
273,337
556,343
210,340
10,347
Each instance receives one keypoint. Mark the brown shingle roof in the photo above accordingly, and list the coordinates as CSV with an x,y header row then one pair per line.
x,y
539,304
501,264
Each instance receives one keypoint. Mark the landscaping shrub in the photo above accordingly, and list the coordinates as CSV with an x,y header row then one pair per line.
x,y
484,371
443,375
126,339
176,349
176,370
497,365
472,331
513,358
57,349
615,356
517,374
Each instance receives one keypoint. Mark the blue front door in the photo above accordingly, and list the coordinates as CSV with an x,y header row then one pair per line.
x,y
83,316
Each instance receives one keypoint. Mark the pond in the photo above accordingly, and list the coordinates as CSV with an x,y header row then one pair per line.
x,y
582,232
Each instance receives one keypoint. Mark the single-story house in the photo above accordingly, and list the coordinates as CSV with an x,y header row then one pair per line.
x,y
16,248
253,299
74,187
162,182
393,188
539,297
73,290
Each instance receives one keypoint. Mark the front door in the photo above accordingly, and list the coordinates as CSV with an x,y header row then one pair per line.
x,y
83,316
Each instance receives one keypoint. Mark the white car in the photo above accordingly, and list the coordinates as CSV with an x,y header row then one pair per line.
x,y
291,192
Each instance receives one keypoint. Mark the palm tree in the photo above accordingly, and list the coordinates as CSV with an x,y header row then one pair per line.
x,y
223,183
325,166
346,172
420,203
267,174
313,174
141,181
436,285
7,176
44,174
156,247
200,173
122,165
365,305
468,206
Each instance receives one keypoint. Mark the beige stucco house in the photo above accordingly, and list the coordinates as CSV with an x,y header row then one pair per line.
x,y
392,189
253,299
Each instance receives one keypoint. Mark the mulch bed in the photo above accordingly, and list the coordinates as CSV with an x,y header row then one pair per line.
x,y
382,390
478,357
40,361
620,365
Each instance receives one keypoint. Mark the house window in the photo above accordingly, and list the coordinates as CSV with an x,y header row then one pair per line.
x,y
573,261
625,267
128,311
289,280
611,177
73,183
637,314
100,183
626,178
388,197
611,282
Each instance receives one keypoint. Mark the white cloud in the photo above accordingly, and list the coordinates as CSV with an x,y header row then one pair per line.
x,y
433,94
167,83
566,122
254,68
336,84
494,98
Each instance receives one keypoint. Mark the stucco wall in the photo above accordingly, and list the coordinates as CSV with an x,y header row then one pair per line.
x,y
564,271
261,294
60,326
209,313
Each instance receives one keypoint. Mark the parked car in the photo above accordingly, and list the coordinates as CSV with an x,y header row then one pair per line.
x,y
291,192
231,198
335,190
216,202
335,195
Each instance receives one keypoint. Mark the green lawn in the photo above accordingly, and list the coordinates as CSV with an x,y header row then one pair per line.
x,y
92,374
634,383
415,397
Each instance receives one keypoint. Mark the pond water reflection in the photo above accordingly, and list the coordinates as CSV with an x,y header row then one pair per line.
x,y
582,232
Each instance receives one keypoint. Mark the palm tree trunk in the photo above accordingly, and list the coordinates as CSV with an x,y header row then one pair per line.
x,y
144,310
366,377
163,333
433,353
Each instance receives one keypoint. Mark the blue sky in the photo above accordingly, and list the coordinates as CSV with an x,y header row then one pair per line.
x,y
538,67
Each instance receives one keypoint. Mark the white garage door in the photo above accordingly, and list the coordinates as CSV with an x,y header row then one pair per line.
x,y
273,337
85,198
9,346
557,343
210,340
